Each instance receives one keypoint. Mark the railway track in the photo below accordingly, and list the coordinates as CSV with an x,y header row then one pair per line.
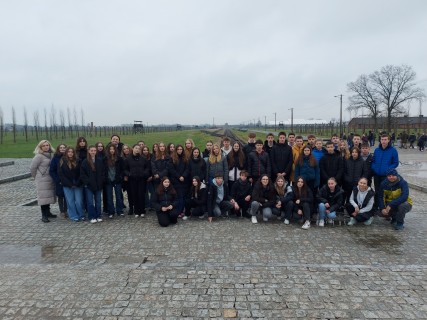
x,y
221,133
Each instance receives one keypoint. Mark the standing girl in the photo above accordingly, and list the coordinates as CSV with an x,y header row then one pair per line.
x,y
159,165
53,171
217,164
236,162
114,166
307,167
178,171
45,185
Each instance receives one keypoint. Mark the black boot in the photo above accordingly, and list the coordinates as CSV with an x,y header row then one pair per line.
x,y
45,214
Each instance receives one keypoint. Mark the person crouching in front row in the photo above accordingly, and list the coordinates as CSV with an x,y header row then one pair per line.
x,y
218,198
263,198
165,203
361,203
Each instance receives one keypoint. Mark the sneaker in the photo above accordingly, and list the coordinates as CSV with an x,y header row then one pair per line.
x,y
99,220
286,221
321,223
93,221
181,215
306,225
110,216
142,215
122,214
369,221
399,226
265,219
202,217
184,218
330,221
136,215
83,219
352,222
254,219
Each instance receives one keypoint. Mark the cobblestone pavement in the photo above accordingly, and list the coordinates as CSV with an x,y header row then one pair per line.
x,y
129,268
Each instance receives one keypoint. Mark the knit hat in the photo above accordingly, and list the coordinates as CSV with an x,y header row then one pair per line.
x,y
391,172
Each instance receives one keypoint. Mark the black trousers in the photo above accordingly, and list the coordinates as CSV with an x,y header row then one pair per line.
x,y
137,187
168,217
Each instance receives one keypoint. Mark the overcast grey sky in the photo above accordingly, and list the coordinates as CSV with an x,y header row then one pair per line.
x,y
194,61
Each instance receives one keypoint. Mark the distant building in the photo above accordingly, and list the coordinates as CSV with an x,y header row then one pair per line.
x,y
397,123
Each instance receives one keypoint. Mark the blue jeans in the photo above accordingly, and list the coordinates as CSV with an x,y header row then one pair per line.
x,y
74,198
93,203
119,198
323,214
266,212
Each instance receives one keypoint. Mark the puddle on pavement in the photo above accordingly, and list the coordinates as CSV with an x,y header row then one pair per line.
x,y
20,255
387,243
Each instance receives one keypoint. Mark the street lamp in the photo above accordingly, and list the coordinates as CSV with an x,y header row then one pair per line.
x,y
340,96
292,119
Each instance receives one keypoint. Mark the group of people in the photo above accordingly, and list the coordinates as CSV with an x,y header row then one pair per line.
x,y
286,179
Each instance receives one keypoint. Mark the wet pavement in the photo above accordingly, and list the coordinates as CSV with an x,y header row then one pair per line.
x,y
129,268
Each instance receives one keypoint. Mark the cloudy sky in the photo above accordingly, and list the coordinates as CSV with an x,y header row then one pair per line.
x,y
195,61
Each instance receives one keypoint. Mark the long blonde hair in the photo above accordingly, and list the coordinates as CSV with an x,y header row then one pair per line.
x,y
212,157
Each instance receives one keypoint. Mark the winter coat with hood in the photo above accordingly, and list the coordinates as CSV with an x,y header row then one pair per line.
x,y
309,173
137,166
353,171
264,195
197,167
331,165
394,194
53,171
281,159
384,159
213,195
241,189
164,198
259,164
45,185
335,199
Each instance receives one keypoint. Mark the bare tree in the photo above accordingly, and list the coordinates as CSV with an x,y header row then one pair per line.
x,y
45,124
75,121
1,125
62,123
14,124
394,86
364,97
70,125
25,123
82,117
53,122
36,123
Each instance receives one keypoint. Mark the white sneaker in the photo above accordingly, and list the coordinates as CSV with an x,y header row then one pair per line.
x,y
321,223
265,219
286,221
369,221
306,225
184,218
254,219
202,217
93,221
137,216
110,216
352,222
330,221
99,220
142,215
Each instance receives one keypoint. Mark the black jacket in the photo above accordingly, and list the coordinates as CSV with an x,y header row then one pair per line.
x,y
335,199
160,166
331,165
265,196
197,167
119,165
69,177
281,159
94,180
258,164
240,190
164,199
353,171
137,167
213,194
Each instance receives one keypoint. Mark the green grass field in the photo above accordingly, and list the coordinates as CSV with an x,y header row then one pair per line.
x,y
24,149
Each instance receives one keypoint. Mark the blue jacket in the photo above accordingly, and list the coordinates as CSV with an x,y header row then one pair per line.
x,y
394,194
318,154
384,159
308,172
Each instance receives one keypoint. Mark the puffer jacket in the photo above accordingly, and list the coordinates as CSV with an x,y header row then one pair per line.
x,y
335,199
331,165
281,159
353,171
94,180
45,185
384,159
259,164
308,172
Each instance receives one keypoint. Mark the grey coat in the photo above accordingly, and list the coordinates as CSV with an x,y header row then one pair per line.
x,y
45,185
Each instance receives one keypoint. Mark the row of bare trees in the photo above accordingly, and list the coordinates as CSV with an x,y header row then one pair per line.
x,y
385,93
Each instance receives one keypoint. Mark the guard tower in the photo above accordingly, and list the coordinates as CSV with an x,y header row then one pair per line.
x,y
138,127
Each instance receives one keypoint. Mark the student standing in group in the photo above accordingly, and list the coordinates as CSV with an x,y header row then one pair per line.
x,y
196,165
318,150
331,165
354,169
385,158
92,175
137,172
178,173
114,168
196,201
269,143
155,149
344,150
207,151
170,149
53,171
45,186
165,202
281,158
81,149
301,204
307,167
291,139
367,156
226,148
115,140
126,152
217,164
160,165
69,175
311,141
296,151
241,195
250,146
236,162
360,206
263,198
258,163
100,153
150,187
189,146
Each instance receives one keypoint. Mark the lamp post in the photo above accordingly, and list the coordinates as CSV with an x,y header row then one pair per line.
x,y
340,96
274,121
292,119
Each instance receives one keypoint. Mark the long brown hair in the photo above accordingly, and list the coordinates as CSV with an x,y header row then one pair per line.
x,y
71,163
161,155
240,156
175,156
161,190
304,190
311,159
89,159
111,158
